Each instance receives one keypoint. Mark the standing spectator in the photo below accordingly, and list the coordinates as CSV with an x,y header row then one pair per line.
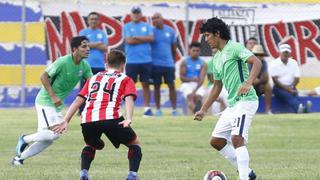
x,y
251,42
163,65
192,74
137,36
98,43
103,94
58,81
285,75
261,83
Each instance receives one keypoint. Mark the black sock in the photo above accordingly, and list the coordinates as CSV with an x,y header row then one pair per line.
x,y
87,157
134,156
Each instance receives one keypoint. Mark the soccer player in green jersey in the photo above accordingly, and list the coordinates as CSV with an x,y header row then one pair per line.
x,y
230,70
58,81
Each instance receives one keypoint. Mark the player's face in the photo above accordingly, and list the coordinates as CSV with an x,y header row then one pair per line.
x,y
157,20
284,56
211,39
136,17
93,20
194,52
83,49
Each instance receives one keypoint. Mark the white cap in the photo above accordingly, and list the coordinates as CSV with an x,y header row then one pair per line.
x,y
285,48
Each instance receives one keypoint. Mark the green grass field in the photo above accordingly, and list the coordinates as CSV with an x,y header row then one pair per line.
x,y
280,146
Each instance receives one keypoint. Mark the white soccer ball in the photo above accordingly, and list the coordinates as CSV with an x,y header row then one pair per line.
x,y
215,175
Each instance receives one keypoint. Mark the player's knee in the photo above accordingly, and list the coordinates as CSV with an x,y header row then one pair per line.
x,y
237,141
134,152
99,145
88,152
217,143
47,135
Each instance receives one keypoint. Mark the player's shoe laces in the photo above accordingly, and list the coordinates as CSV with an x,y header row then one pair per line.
x,y
20,146
84,175
132,176
252,175
159,112
16,161
148,113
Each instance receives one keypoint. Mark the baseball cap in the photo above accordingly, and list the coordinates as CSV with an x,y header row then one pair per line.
x,y
285,48
136,9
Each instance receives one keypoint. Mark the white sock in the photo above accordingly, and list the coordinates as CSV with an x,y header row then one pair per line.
x,y
229,153
147,108
43,135
35,148
243,162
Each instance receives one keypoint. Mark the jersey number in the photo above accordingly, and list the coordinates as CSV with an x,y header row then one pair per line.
x,y
95,88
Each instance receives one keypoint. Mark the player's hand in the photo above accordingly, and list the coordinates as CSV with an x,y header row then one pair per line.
x,y
125,123
60,128
56,101
244,89
198,116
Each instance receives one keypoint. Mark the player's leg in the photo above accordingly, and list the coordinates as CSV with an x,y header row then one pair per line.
x,y
288,98
245,110
157,81
145,73
169,78
92,136
47,116
120,135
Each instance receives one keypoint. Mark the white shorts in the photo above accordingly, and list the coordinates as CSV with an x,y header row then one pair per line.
x,y
187,88
236,120
47,116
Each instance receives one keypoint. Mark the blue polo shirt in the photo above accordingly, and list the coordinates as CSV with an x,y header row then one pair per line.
x,y
137,53
161,46
193,67
96,57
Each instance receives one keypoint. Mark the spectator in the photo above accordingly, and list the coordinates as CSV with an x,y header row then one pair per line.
x,y
192,74
315,92
98,43
163,65
137,36
251,42
285,75
221,102
261,83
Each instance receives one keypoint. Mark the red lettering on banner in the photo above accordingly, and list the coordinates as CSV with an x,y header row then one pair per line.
x,y
78,21
115,26
280,29
307,42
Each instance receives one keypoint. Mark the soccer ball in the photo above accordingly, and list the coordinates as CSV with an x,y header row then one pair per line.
x,y
215,175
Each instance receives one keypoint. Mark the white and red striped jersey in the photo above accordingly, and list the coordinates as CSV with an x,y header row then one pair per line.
x,y
103,93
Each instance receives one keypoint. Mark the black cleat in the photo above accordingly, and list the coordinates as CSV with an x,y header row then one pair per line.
x,y
252,175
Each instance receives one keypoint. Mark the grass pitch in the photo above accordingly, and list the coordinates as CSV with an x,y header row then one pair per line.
x,y
280,146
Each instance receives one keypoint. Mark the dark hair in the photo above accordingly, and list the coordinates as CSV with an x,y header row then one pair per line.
x,y
76,41
251,38
116,58
195,44
93,13
216,25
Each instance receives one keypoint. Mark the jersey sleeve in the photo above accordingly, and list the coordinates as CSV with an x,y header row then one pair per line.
x,y
215,72
242,53
54,68
130,89
82,33
85,90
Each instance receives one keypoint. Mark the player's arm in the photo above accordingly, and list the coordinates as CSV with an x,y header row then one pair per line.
x,y
295,82
46,84
213,95
98,45
129,103
174,50
203,73
256,67
280,85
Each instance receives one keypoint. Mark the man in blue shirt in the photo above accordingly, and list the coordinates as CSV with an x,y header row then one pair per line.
x,y
137,37
98,43
193,72
163,66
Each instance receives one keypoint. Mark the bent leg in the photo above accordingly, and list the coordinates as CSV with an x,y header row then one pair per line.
x,y
35,149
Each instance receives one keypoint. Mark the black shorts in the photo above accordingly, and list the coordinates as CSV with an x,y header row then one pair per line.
x,y
116,133
166,72
142,70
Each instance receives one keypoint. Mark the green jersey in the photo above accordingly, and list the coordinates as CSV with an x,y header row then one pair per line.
x,y
64,75
229,66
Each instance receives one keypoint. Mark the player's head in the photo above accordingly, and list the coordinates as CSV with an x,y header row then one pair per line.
x,y
79,46
194,50
157,20
251,42
93,20
136,13
214,30
116,59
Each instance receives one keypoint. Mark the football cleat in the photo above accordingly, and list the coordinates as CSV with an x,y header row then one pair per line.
x,y
20,146
252,175
147,113
16,161
159,112
132,177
